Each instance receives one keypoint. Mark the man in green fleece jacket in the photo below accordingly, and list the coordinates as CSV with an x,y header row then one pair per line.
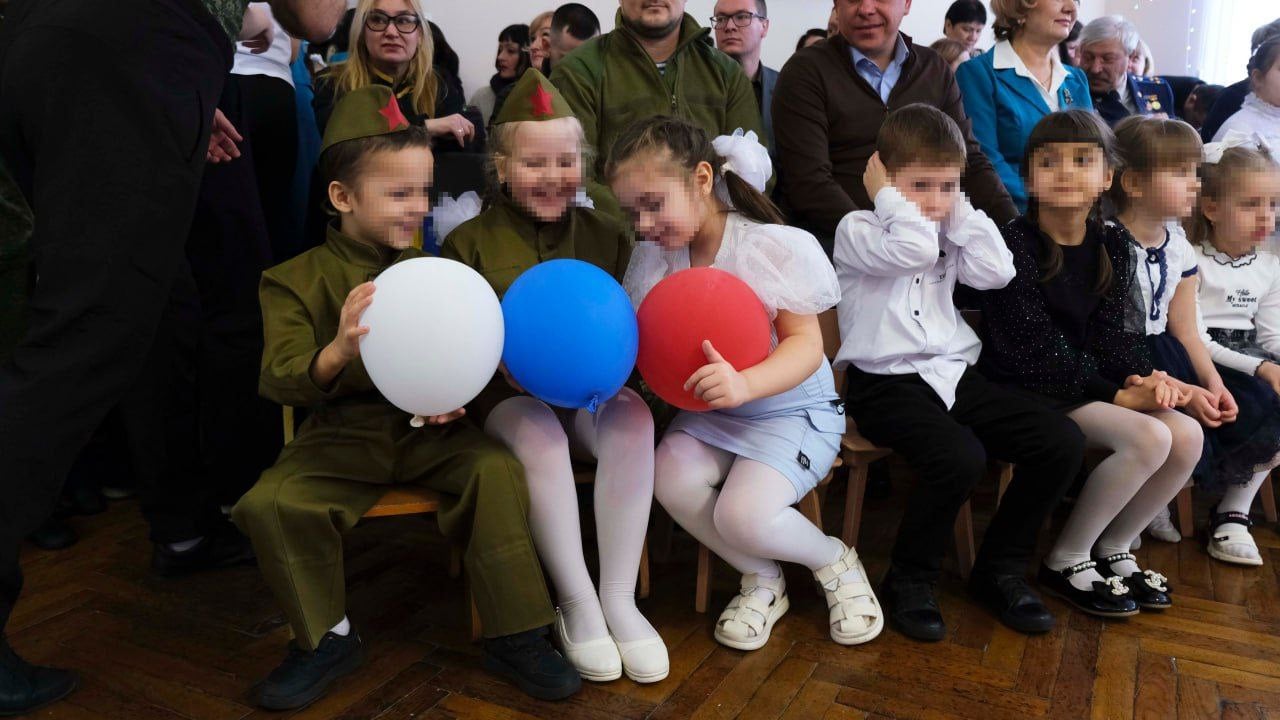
x,y
658,61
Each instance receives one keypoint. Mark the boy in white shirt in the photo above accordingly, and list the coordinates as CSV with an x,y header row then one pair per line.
x,y
911,384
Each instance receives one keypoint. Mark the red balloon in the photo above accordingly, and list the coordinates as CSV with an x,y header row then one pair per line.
x,y
688,307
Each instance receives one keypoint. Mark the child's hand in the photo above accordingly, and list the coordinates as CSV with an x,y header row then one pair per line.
x,y
420,420
1204,407
1269,373
875,177
1145,394
347,343
717,383
1227,405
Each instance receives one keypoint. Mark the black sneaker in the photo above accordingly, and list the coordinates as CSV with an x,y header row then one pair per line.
x,y
1108,599
54,534
1011,598
304,676
529,661
1148,588
222,547
912,608
25,687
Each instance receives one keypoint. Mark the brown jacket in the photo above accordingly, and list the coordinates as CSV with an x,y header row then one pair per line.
x,y
825,122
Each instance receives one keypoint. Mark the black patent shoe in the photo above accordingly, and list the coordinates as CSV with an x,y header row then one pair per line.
x,y
528,660
1148,588
25,687
305,676
1109,599
912,608
1011,598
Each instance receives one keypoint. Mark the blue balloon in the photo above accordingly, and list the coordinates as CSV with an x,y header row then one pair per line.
x,y
571,334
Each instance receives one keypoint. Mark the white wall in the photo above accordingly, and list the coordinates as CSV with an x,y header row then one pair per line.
x,y
1168,26
472,26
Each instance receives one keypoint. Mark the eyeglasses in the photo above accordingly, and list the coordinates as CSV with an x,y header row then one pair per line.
x,y
405,24
741,19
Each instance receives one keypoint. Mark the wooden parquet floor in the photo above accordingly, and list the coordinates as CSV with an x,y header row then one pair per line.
x,y
191,648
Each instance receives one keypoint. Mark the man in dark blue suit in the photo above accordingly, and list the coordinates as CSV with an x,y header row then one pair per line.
x,y
1105,47
741,27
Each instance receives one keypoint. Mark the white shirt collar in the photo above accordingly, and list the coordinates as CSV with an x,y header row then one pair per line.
x,y
1006,58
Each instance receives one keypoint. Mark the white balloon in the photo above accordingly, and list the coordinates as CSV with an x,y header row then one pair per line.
x,y
435,335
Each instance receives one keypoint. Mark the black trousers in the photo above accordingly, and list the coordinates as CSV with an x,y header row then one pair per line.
x,y
948,450
105,113
242,226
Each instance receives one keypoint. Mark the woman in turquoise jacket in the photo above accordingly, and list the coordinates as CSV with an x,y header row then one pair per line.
x,y
1007,89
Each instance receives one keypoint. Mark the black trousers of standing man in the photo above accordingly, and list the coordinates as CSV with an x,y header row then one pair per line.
x,y
105,115
948,450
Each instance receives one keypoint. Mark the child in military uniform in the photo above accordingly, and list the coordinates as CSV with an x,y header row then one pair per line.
x,y
533,217
355,443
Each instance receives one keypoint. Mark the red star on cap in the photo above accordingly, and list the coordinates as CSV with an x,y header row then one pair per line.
x,y
395,118
541,102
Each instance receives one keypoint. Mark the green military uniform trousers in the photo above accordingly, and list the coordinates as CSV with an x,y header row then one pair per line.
x,y
341,462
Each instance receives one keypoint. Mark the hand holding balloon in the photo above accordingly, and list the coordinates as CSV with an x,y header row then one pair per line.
x,y
345,346
418,420
717,383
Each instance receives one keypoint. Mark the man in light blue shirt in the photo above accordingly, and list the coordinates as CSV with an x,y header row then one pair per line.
x,y
881,77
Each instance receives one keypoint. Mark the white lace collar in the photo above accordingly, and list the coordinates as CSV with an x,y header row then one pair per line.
x,y
1222,258
1258,105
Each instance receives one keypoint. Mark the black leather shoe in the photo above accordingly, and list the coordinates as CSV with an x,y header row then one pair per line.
x,y
1108,599
529,661
912,608
54,534
1148,588
1011,598
305,676
222,547
25,687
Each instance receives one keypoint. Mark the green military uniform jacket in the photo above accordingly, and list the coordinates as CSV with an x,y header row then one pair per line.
x,y
301,306
504,241
611,82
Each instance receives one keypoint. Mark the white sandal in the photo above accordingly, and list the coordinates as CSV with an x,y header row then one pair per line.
x,y
747,621
1220,540
855,614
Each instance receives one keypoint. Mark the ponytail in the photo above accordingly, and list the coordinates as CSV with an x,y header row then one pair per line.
x,y
749,201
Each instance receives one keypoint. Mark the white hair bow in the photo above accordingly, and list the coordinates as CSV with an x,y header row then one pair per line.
x,y
1213,151
744,156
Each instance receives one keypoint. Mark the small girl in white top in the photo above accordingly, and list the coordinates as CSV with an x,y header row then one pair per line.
x,y
730,476
1239,298
1155,187
1260,113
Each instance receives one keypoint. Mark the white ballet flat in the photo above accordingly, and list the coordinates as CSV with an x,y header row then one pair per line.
x,y
748,621
645,661
595,660
854,612
1162,529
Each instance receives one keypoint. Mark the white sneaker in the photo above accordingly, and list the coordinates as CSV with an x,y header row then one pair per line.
x,y
595,660
1161,528
645,661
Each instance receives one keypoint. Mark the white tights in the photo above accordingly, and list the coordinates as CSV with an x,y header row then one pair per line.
x,y
620,437
739,508
1152,456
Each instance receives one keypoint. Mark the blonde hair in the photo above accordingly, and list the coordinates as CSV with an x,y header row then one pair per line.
x,y
542,17
358,72
1218,179
501,142
1148,60
1010,16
